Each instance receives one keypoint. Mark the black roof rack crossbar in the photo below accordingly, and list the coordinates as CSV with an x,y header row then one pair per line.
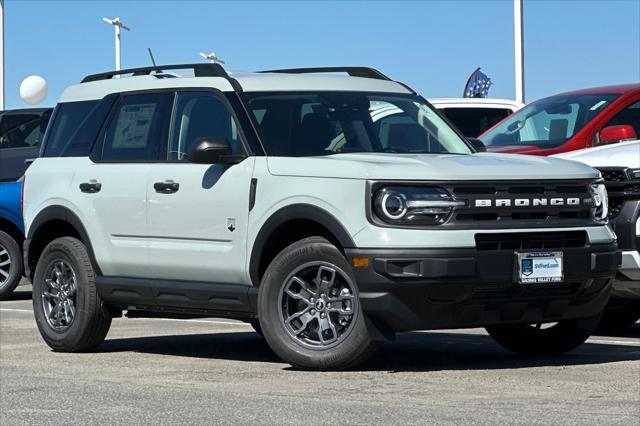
x,y
199,70
364,72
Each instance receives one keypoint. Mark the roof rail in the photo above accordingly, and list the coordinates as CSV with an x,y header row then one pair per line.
x,y
364,72
199,70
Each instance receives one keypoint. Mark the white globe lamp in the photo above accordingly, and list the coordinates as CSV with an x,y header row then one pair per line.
x,y
33,89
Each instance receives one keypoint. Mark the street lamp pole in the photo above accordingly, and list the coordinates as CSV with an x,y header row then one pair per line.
x,y
519,49
118,26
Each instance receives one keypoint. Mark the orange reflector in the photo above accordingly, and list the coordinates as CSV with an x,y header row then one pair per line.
x,y
360,262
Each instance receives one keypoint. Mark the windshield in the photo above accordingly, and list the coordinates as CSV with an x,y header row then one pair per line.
x,y
549,122
324,123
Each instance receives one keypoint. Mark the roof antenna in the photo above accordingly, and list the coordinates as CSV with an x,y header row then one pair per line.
x,y
153,61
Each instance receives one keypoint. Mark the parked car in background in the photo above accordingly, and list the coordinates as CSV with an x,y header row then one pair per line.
x,y
21,132
11,237
620,168
473,116
569,121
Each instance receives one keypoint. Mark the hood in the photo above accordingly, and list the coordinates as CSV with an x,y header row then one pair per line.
x,y
513,149
622,154
480,166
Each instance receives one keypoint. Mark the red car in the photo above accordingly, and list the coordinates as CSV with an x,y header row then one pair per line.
x,y
569,121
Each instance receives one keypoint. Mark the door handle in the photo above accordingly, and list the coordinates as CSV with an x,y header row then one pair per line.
x,y
90,187
166,187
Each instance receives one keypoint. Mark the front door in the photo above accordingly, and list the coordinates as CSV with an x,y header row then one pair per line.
x,y
197,214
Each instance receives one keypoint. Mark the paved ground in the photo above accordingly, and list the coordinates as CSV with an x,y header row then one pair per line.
x,y
219,371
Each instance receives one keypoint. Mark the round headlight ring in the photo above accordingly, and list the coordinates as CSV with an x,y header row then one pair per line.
x,y
394,205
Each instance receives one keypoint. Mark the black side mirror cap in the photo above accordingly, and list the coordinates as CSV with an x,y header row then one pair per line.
x,y
477,144
212,151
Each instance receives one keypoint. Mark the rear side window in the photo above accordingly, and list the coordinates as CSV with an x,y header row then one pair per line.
x,y
472,122
66,121
138,128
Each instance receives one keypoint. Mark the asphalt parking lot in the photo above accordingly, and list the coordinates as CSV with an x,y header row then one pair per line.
x,y
220,371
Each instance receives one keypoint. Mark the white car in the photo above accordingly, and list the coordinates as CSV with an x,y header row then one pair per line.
x,y
620,167
473,116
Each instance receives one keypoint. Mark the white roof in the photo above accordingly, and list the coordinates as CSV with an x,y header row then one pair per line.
x,y
250,82
475,103
621,154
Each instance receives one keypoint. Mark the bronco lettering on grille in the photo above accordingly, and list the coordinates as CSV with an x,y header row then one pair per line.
x,y
527,202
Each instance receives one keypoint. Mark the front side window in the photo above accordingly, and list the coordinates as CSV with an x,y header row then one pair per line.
x,y
138,128
472,122
22,130
629,116
200,115
550,122
326,123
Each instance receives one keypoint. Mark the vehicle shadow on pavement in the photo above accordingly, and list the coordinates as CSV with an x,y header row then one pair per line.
x,y
410,352
18,295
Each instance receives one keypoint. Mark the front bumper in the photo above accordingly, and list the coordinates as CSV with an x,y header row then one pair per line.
x,y
627,228
412,289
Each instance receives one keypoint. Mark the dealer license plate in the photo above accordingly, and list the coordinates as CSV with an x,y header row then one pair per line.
x,y
539,267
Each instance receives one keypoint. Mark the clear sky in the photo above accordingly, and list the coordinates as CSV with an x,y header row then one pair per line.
x,y
431,45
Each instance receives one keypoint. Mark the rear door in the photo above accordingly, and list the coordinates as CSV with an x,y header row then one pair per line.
x,y
197,227
110,188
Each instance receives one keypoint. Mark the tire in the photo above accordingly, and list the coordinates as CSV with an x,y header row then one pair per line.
x,y
620,314
527,339
64,270
256,327
345,341
10,265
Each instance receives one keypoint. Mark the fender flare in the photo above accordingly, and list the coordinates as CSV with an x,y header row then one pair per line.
x,y
294,212
66,215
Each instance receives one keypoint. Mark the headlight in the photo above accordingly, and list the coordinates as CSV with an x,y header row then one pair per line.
x,y
404,205
600,202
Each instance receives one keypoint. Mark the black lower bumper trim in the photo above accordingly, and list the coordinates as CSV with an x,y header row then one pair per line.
x,y
456,288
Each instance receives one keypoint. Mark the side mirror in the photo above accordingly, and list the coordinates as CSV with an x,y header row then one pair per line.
x,y
212,151
612,134
477,144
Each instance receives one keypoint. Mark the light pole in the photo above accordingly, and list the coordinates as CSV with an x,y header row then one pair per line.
x,y
1,55
518,38
117,25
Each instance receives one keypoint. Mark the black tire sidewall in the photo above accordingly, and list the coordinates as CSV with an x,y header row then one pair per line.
x,y
340,356
74,336
15,272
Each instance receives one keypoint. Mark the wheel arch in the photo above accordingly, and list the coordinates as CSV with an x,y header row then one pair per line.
x,y
290,224
51,223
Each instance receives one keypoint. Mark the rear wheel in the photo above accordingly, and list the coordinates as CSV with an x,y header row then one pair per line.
x,y
10,265
69,314
542,339
309,308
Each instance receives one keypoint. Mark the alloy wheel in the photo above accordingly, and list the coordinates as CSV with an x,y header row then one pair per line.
x,y
318,305
5,265
59,295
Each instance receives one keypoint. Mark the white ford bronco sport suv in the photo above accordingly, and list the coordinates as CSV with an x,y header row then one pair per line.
x,y
274,198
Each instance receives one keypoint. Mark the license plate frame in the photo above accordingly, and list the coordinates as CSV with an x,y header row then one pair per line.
x,y
539,267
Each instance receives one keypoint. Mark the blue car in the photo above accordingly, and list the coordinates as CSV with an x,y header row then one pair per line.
x,y
11,236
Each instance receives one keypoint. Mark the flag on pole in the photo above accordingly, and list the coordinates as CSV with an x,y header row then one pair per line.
x,y
478,85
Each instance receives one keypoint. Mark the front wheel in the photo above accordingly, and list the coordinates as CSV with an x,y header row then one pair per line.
x,y
69,313
309,308
543,339
620,314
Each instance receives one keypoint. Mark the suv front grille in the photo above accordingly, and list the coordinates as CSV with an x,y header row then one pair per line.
x,y
620,187
531,240
528,204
